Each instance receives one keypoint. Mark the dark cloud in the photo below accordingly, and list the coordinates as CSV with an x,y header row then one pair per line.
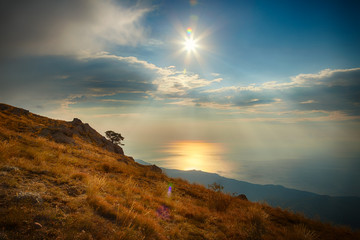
x,y
337,90
328,98
66,27
54,79
329,90
330,78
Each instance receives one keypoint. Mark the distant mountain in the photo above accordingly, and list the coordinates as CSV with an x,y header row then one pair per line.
x,y
338,210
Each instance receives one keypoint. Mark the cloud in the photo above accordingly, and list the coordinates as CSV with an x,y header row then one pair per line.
x,y
67,27
99,79
233,89
130,59
331,91
308,101
107,80
66,80
328,77
170,82
175,84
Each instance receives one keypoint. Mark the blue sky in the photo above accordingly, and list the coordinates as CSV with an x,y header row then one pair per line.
x,y
272,86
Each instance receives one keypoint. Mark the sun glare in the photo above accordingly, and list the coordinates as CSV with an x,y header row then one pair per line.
x,y
190,45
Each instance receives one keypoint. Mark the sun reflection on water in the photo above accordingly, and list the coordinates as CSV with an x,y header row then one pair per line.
x,y
198,155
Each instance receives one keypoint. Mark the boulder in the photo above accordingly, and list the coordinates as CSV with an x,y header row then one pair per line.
x,y
28,197
9,169
60,137
155,168
76,122
242,197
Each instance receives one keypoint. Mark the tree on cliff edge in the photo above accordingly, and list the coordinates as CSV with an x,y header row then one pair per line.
x,y
114,137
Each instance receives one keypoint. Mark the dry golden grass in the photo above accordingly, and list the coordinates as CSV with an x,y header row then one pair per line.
x,y
86,192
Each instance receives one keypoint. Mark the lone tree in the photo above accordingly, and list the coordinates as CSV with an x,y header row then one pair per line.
x,y
114,137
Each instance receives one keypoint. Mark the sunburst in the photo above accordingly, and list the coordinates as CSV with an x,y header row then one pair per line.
x,y
190,45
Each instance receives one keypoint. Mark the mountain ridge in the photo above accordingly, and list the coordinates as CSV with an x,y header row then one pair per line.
x,y
335,209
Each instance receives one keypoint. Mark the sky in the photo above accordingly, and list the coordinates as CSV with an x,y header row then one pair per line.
x,y
261,91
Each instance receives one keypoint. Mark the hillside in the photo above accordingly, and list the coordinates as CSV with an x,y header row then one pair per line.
x,y
338,210
63,180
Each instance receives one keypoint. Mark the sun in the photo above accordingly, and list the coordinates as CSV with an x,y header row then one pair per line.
x,y
190,45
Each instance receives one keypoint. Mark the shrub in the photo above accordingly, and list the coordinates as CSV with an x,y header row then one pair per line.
x,y
300,232
218,200
257,219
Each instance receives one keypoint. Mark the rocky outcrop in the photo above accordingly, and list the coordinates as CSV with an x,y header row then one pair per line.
x,y
59,134
65,134
155,168
56,130
88,133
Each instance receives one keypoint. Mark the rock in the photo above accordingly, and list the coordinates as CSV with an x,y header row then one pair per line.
x,y
60,134
76,121
242,197
60,137
155,168
9,169
118,149
65,130
28,197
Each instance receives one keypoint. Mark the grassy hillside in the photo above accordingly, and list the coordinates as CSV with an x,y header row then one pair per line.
x,y
337,210
79,190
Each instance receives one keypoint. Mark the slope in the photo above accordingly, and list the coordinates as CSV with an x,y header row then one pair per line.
x,y
80,190
338,210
